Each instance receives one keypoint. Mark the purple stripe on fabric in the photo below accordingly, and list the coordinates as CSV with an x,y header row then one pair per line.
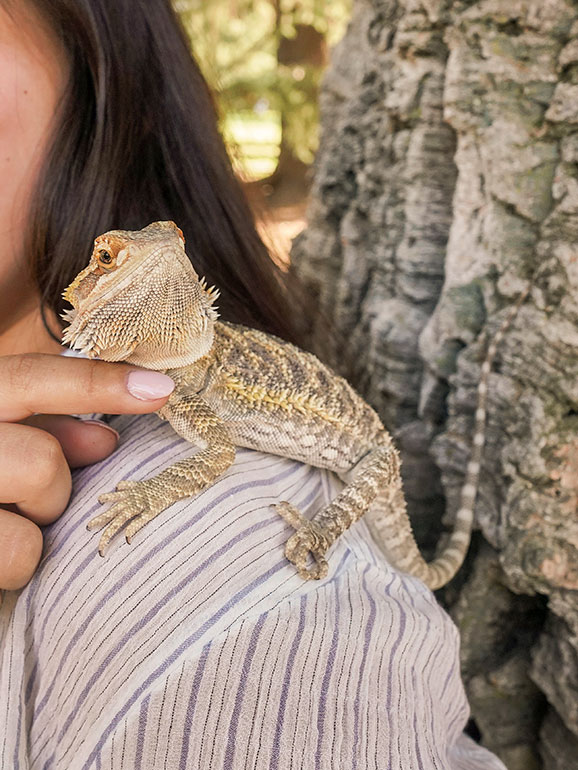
x,y
275,750
142,727
234,724
417,734
326,679
366,641
384,639
342,680
451,673
141,562
267,684
394,648
259,685
64,525
432,664
192,705
63,535
127,474
179,651
18,734
211,696
457,723
49,763
104,669
421,692
20,714
9,689
318,648
140,623
88,474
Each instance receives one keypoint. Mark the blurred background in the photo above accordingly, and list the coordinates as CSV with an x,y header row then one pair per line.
x,y
264,60
446,177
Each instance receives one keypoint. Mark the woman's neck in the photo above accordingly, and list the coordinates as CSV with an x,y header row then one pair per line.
x,y
26,333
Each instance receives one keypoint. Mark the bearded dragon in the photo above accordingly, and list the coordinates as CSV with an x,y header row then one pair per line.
x,y
139,300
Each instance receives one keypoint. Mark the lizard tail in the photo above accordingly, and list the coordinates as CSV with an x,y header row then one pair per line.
x,y
389,513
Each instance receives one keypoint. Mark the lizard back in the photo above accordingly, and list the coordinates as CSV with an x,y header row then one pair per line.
x,y
274,397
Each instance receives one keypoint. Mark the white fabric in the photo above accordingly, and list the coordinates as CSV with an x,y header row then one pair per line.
x,y
198,646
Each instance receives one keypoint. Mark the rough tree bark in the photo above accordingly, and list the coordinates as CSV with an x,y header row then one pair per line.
x,y
447,175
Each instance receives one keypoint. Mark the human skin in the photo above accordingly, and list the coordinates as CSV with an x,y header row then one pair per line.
x,y
37,450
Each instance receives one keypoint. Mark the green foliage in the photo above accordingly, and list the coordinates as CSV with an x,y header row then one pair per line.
x,y
236,43
327,16
254,141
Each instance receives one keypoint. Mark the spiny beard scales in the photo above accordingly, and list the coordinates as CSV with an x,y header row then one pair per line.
x,y
162,318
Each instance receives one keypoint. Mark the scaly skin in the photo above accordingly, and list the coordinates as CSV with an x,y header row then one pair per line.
x,y
139,300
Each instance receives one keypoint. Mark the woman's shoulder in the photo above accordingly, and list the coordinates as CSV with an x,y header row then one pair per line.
x,y
147,446
225,546
94,639
229,534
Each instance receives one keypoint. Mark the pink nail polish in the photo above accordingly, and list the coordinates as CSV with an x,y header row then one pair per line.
x,y
148,386
101,424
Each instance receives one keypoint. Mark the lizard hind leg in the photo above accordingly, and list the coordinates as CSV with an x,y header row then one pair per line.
x,y
308,539
314,537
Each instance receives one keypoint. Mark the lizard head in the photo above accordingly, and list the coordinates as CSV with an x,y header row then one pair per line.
x,y
140,300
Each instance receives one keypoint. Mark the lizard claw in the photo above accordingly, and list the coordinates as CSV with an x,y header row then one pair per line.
x,y
137,524
131,500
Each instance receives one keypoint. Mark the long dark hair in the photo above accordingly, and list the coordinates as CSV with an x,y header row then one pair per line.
x,y
136,140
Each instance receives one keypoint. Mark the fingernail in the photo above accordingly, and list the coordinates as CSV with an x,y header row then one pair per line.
x,y
148,386
101,424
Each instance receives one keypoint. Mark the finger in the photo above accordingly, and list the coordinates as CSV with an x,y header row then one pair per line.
x,y
83,442
34,473
38,382
20,550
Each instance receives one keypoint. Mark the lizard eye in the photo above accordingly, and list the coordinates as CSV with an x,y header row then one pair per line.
x,y
104,257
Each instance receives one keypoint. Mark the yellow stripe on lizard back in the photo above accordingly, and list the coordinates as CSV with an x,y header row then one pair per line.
x,y
259,396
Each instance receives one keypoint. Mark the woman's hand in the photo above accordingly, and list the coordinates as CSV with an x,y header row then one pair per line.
x,y
38,450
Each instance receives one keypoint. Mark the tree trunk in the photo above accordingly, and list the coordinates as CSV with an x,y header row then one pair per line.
x,y
446,180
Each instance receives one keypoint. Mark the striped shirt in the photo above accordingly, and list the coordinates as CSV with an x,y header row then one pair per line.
x,y
198,646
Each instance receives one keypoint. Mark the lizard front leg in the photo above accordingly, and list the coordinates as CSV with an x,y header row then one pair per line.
x,y
141,501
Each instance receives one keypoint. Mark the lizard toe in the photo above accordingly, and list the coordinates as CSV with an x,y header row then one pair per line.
x,y
290,513
99,521
109,497
303,544
137,524
121,515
